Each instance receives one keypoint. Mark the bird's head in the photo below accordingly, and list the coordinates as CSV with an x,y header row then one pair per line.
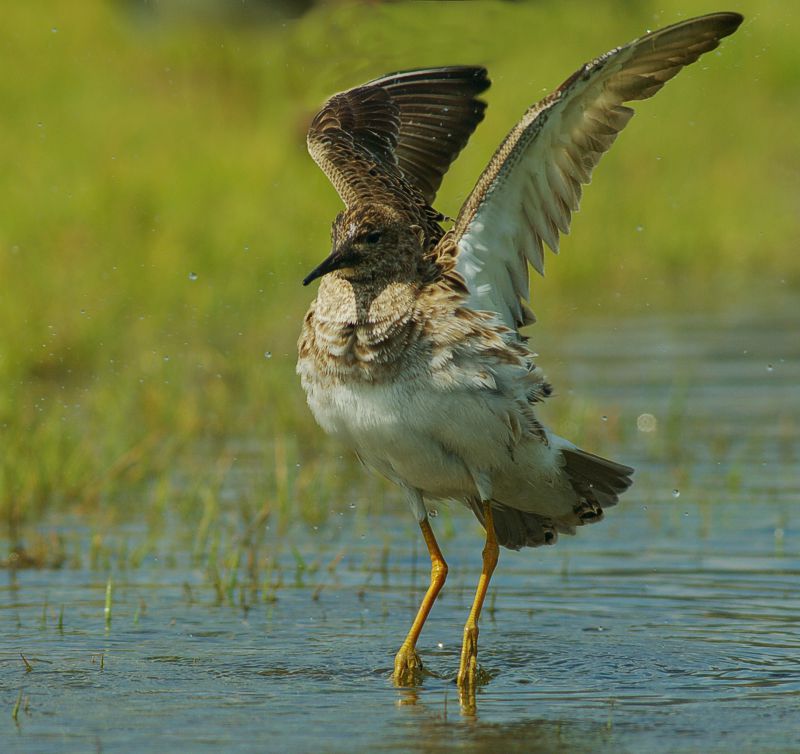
x,y
371,242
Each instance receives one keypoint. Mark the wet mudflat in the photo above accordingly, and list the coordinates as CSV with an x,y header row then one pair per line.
x,y
674,625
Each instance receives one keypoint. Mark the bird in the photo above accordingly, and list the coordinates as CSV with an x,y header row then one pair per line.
x,y
411,353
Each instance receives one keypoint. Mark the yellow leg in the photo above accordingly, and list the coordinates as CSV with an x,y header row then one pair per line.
x,y
469,650
407,665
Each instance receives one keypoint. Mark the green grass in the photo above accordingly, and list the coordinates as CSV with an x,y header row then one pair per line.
x,y
159,210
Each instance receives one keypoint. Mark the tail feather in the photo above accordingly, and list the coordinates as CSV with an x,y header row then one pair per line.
x,y
516,529
597,483
595,479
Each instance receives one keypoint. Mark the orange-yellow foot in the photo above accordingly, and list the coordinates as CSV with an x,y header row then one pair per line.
x,y
468,668
407,667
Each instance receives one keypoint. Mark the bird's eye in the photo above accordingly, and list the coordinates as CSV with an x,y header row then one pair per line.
x,y
373,237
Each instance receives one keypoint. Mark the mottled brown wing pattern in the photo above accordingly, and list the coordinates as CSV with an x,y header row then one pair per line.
x,y
392,139
527,194
438,112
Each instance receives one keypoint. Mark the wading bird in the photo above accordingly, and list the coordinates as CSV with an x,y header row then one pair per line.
x,y
411,352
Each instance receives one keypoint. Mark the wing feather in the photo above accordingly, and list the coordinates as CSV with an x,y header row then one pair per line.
x,y
394,138
527,194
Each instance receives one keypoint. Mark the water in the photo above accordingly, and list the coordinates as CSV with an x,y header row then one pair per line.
x,y
674,625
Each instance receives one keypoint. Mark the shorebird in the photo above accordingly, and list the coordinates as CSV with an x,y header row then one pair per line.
x,y
411,352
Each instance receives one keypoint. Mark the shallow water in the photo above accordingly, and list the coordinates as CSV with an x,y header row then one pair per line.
x,y
674,625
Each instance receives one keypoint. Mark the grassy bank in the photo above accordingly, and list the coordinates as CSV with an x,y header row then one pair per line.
x,y
158,211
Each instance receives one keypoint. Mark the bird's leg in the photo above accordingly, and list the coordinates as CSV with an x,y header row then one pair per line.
x,y
407,665
468,667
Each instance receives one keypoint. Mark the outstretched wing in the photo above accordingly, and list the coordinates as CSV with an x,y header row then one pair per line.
x,y
532,185
398,133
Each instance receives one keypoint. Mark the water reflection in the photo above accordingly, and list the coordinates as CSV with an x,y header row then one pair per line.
x,y
433,730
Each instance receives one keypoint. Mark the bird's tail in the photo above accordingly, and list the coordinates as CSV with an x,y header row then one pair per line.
x,y
597,483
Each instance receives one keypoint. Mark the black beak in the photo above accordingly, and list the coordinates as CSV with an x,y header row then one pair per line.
x,y
334,261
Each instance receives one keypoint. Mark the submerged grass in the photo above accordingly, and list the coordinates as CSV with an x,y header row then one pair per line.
x,y
17,705
162,210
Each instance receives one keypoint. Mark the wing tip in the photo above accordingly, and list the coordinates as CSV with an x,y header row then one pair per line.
x,y
732,20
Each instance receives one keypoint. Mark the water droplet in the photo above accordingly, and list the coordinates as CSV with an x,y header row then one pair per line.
x,y
604,418
440,645
646,423
192,276
166,358
639,228
676,493
433,512
352,506
267,354
770,367
54,30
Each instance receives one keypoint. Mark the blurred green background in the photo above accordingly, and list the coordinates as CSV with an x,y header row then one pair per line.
x,y
158,211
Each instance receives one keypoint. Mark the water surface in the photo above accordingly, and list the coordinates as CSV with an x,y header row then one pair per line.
x,y
674,625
